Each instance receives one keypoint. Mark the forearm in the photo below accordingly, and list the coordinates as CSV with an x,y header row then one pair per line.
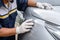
x,y
4,32
32,3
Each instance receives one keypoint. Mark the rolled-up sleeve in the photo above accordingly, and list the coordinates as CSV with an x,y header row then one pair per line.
x,y
22,4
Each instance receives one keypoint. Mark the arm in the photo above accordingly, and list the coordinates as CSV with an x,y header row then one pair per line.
x,y
32,3
23,4
7,32
24,27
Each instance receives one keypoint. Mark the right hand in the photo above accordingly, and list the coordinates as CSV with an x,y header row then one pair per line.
x,y
25,26
44,6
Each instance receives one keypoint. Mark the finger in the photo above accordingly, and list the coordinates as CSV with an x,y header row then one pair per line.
x,y
27,30
29,27
29,24
42,7
51,7
47,6
29,20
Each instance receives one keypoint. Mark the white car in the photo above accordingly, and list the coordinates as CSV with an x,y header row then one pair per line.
x,y
47,22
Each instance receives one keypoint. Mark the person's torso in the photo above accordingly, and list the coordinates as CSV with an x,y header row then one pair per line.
x,y
8,14
7,17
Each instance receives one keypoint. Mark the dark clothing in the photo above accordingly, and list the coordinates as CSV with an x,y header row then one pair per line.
x,y
22,4
8,23
10,20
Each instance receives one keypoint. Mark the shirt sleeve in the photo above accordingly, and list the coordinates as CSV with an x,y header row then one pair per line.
x,y
0,26
22,5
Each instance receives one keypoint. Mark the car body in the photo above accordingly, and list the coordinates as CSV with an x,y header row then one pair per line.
x,y
43,29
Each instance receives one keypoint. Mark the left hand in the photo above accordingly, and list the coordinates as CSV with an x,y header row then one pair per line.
x,y
44,6
25,26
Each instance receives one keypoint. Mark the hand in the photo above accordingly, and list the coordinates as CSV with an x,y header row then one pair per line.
x,y
25,26
44,5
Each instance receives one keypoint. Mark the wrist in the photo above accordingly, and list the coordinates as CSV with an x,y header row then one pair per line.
x,y
17,30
